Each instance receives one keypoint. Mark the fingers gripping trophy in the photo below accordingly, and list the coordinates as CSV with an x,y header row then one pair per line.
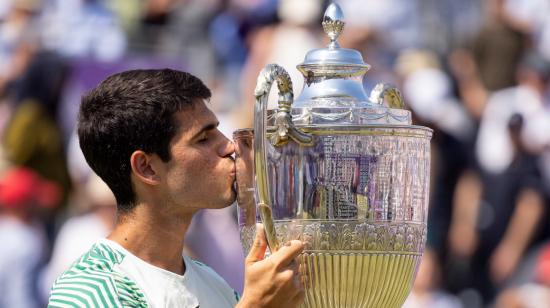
x,y
346,173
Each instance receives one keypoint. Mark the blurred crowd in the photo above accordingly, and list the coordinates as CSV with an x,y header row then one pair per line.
x,y
477,72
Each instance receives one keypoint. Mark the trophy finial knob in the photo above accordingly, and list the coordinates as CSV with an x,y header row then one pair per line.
x,y
333,23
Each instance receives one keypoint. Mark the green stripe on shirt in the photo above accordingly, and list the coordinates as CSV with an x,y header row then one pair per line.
x,y
92,281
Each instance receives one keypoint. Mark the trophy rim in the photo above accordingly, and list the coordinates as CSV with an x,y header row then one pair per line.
x,y
351,129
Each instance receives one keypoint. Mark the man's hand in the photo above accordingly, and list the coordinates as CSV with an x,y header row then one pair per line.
x,y
275,281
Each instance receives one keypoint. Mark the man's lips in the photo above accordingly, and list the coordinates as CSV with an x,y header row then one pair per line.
x,y
233,163
233,170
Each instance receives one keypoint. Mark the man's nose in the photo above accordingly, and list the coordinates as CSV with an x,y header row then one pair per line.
x,y
228,148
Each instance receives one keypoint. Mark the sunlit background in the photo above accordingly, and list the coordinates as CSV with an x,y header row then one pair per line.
x,y
476,71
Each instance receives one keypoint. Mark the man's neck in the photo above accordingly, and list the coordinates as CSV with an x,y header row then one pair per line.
x,y
157,238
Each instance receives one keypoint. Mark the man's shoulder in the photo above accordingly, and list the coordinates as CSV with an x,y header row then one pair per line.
x,y
94,281
206,271
99,260
214,280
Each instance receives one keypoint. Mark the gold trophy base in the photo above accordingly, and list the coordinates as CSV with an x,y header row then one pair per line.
x,y
357,279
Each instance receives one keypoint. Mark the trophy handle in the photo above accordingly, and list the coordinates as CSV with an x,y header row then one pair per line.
x,y
388,94
284,129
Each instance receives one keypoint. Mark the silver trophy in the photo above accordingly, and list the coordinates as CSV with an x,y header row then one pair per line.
x,y
345,173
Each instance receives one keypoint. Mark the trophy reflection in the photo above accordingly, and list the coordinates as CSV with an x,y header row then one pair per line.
x,y
345,173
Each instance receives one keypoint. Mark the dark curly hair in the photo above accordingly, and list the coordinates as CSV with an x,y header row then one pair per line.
x,y
129,111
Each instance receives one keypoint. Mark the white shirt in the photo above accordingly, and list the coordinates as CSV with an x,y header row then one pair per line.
x,y
200,286
110,276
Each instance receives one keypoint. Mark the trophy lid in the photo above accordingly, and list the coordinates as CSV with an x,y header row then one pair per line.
x,y
333,55
333,90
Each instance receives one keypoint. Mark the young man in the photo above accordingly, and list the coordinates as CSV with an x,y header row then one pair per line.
x,y
149,135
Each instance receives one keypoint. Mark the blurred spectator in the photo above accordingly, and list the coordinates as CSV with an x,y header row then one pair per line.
x,y
494,146
18,40
127,13
446,24
542,268
393,24
151,24
532,17
23,194
523,187
490,235
533,294
285,43
526,296
80,232
32,137
179,29
227,32
499,46
428,90
491,62
426,292
508,218
83,28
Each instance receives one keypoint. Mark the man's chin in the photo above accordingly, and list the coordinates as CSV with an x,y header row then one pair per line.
x,y
228,201
233,198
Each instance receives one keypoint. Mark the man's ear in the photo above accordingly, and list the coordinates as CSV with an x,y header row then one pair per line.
x,y
143,167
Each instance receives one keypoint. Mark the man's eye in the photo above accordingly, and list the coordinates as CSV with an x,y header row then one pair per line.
x,y
202,139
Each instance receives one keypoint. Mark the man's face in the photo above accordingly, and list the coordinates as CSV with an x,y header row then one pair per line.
x,y
201,171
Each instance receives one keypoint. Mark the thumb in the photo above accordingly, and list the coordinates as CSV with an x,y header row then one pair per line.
x,y
257,252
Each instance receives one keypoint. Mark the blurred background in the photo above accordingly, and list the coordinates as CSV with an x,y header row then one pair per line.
x,y
476,71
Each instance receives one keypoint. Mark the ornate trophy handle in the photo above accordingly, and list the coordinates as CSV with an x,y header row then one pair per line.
x,y
384,92
284,129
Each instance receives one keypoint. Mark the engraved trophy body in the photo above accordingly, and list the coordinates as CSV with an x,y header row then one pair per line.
x,y
345,173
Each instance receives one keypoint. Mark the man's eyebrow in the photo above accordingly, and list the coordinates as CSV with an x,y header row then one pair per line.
x,y
206,128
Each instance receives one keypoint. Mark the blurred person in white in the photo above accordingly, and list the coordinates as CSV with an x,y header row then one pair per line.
x,y
531,99
426,292
509,218
428,91
285,43
80,232
22,194
83,28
